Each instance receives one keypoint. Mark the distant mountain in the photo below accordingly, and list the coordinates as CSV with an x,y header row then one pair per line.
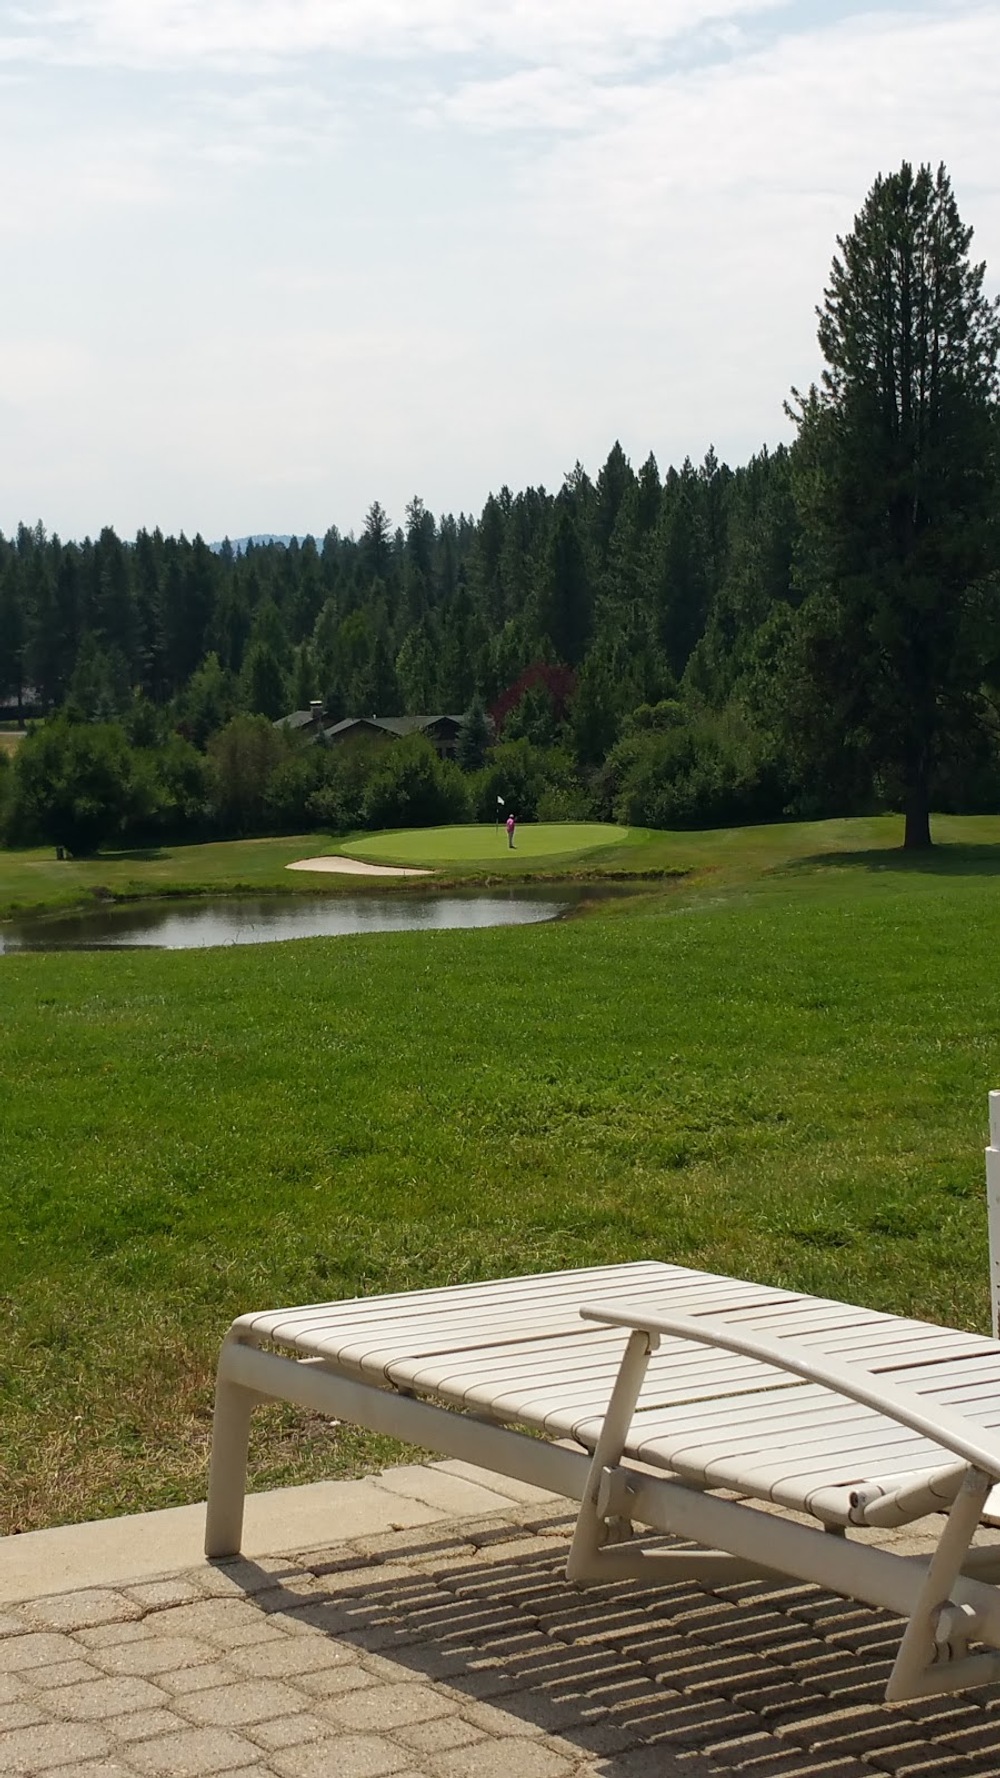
x,y
239,543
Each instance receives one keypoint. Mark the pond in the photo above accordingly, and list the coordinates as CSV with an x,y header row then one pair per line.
x,y
262,920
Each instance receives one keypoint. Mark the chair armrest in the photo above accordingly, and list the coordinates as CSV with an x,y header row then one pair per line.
x,y
974,1444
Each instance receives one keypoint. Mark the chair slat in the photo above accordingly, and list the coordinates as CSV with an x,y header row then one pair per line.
x,y
516,1350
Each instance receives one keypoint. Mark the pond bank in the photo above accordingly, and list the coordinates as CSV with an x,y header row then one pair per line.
x,y
201,923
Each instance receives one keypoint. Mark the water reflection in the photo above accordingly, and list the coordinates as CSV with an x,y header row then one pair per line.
x,y
196,925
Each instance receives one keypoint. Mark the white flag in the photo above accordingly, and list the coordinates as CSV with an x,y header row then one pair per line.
x,y
500,801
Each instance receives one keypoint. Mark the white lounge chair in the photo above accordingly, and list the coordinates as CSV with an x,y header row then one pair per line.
x,y
659,1393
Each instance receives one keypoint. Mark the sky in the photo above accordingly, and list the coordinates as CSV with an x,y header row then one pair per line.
x,y
266,261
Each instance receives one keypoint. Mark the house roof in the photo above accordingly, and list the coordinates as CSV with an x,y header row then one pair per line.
x,y
349,722
412,725
298,719
392,725
307,723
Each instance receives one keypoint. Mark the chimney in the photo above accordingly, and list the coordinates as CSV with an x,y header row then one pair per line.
x,y
316,710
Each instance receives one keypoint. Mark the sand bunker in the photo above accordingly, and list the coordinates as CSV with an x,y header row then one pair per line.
x,y
355,867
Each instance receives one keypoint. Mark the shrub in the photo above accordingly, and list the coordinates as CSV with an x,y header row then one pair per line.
x,y
412,787
76,785
345,769
290,789
207,701
564,803
180,786
681,768
519,773
242,758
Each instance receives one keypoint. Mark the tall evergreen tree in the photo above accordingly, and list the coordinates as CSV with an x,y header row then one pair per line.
x,y
677,570
263,683
418,561
416,671
148,577
565,597
486,553
475,736
615,481
12,637
897,488
208,702
375,547
761,529
49,655
114,615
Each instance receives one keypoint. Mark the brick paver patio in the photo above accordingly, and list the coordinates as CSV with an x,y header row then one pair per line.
x,y
459,1651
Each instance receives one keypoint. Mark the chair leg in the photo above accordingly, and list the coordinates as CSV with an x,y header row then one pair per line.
x,y
591,1525
228,1472
934,1621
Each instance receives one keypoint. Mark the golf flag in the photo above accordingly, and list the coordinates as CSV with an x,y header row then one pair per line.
x,y
500,801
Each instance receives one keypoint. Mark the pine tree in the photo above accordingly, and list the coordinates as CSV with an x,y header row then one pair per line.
x,y
263,684
565,601
614,483
677,570
375,547
475,736
12,637
896,482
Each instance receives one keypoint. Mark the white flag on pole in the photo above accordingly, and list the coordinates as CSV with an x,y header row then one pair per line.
x,y
500,801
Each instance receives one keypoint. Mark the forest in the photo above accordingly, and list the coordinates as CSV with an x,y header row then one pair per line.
x,y
814,632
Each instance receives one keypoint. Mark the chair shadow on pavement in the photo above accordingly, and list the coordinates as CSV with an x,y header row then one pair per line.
x,y
622,1681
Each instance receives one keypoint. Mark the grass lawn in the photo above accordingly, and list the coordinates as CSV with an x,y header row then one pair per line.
x,y
778,1068
731,859
35,878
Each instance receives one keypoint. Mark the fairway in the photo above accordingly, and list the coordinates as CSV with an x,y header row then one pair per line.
x,y
537,844
776,1067
733,860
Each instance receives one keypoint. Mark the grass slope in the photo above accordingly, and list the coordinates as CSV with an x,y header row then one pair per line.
x,y
723,860
782,1073
34,878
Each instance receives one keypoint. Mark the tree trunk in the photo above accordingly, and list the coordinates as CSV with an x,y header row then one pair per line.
x,y
917,831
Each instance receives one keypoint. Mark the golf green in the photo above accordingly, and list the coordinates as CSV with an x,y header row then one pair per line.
x,y
535,843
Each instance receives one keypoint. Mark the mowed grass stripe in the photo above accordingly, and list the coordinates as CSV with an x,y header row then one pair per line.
x,y
788,1085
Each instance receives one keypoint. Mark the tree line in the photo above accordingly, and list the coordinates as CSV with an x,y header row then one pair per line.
x,y
814,632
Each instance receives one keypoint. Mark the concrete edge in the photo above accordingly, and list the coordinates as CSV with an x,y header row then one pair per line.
x,y
147,1546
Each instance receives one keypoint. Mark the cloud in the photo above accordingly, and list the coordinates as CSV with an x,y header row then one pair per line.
x,y
161,34
122,173
554,99
794,61
261,291
261,124
813,116
700,217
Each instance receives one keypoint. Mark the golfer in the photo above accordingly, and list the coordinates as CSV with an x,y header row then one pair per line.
x,y
511,824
